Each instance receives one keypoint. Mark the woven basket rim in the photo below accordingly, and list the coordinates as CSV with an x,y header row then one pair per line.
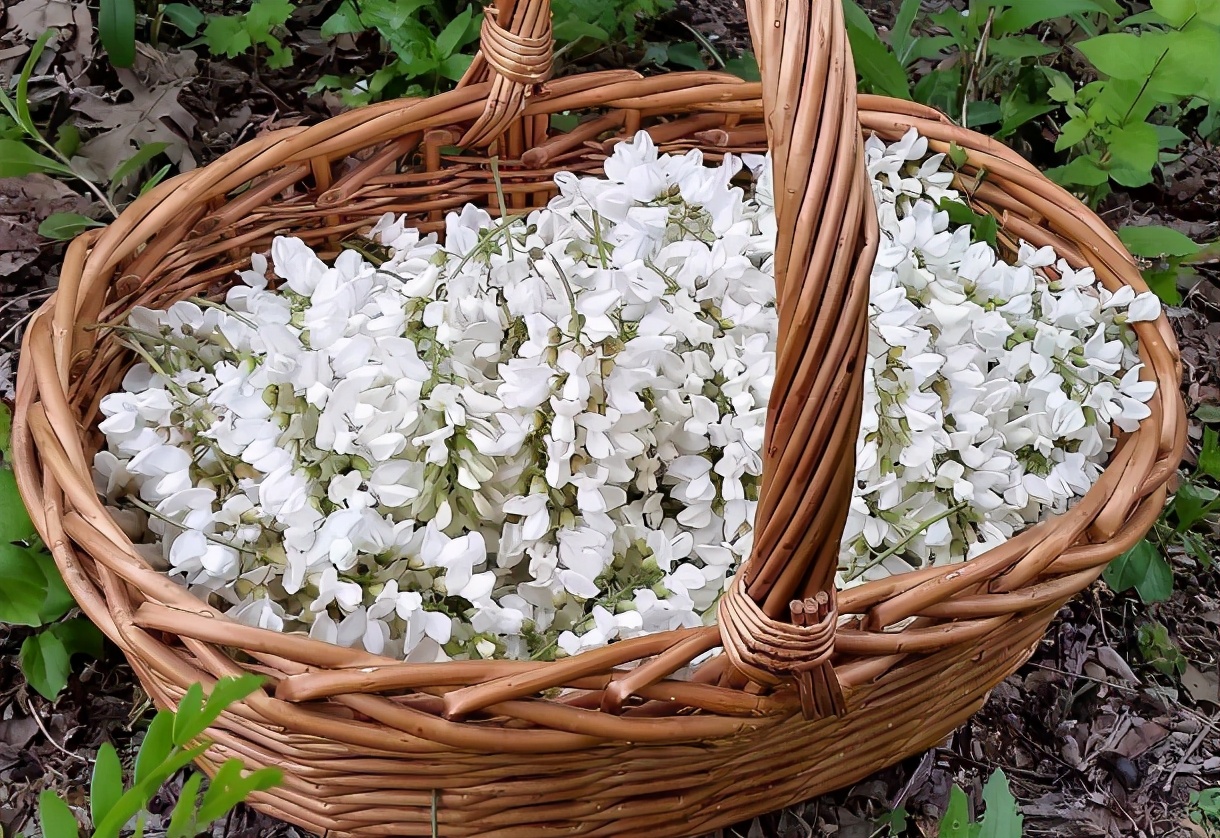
x,y
331,700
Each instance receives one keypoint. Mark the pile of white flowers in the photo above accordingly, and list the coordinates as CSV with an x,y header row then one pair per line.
x,y
545,434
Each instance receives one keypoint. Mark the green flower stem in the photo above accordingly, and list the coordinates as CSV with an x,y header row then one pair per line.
x,y
902,545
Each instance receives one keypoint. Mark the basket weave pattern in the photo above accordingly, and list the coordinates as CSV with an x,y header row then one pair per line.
x,y
608,742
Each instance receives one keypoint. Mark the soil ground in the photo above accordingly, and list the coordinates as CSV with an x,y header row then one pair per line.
x,y
1094,738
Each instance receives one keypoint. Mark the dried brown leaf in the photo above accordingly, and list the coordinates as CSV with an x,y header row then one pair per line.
x,y
28,19
151,114
1114,662
1204,687
24,203
1142,737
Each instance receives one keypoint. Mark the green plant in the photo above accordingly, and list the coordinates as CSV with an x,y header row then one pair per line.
x,y
604,23
991,74
1205,810
1159,650
1172,258
34,594
116,27
1001,818
1121,126
426,40
236,34
1144,567
18,157
1153,70
170,744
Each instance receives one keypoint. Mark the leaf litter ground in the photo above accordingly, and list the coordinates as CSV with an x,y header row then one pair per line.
x,y
1095,741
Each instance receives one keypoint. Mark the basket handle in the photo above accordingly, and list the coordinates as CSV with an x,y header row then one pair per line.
x,y
779,617
516,52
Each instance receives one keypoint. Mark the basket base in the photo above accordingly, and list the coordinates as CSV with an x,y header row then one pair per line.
x,y
672,791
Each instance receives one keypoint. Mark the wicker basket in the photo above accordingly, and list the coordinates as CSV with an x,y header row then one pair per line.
x,y
795,706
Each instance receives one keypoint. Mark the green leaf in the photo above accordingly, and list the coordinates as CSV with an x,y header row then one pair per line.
x,y
265,15
1169,136
1074,131
345,21
573,29
1197,546
1209,455
1063,89
1144,569
1155,241
956,822
656,53
983,113
226,35
1083,171
157,744
893,822
902,36
1164,283
744,66
877,65
139,795
155,178
1002,819
940,89
564,122
15,523
1135,146
1192,503
279,56
133,163
23,591
62,226
67,139
55,817
116,27
1208,414
958,156
45,664
185,16
228,691
229,787
190,711
106,787
57,600
21,107
687,55
182,821
1027,13
80,637
1176,12
451,36
985,226
455,66
1121,55
6,438
1019,48
857,18
18,159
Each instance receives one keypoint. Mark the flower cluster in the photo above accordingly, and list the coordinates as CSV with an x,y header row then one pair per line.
x,y
991,387
545,434
540,437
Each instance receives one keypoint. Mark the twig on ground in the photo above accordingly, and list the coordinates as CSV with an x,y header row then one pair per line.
x,y
29,708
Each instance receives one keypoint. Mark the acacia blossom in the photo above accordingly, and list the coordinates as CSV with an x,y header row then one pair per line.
x,y
545,434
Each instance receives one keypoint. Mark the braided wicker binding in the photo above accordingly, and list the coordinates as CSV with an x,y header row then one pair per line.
x,y
815,690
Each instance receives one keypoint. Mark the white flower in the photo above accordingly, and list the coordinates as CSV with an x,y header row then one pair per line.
x,y
546,434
